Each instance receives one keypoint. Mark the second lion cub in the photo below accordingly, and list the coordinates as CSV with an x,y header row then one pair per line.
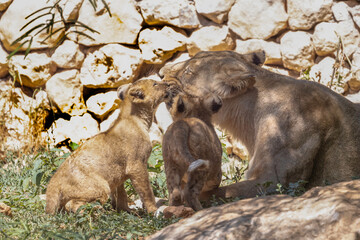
x,y
191,150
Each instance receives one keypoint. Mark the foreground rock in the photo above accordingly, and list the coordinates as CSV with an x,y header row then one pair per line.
x,y
330,212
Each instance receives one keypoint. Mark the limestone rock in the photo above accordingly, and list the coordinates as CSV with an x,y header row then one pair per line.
x,y
163,117
272,49
354,81
340,11
330,212
178,211
155,134
355,12
322,73
110,66
325,39
4,4
107,123
216,10
297,50
304,14
122,27
350,36
4,68
78,128
102,104
257,19
211,38
65,91
68,55
33,71
356,59
355,98
70,8
180,13
159,45
10,29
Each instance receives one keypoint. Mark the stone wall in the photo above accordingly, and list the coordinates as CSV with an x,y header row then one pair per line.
x,y
74,85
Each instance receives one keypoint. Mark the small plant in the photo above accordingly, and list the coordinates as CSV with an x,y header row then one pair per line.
x,y
54,25
294,189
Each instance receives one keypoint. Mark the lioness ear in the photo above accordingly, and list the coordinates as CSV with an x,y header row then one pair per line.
x,y
136,94
257,58
121,91
180,106
214,103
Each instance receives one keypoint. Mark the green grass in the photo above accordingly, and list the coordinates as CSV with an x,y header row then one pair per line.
x,y
23,180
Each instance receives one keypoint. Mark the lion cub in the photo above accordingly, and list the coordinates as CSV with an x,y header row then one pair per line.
x,y
191,150
99,168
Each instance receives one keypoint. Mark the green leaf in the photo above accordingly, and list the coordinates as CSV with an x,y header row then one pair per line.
x,y
73,146
39,10
107,7
16,50
80,24
27,24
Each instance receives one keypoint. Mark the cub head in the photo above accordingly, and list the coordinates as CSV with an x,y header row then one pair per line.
x,y
144,91
185,106
224,73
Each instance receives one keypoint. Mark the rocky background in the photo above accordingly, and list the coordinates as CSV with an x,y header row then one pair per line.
x,y
67,93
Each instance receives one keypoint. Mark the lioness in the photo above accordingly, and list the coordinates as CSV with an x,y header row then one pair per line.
x,y
191,150
99,168
293,129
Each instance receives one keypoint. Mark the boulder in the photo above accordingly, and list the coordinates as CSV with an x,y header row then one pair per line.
x,y
325,39
297,50
355,13
4,4
110,66
33,71
272,49
304,14
70,8
179,13
65,92
68,55
210,38
322,73
260,19
10,29
78,128
23,117
163,117
107,123
158,45
122,27
155,135
102,104
350,36
4,68
356,59
215,10
330,212
340,11
355,98
178,212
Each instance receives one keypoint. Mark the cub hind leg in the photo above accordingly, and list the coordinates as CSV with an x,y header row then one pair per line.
x,y
173,180
197,175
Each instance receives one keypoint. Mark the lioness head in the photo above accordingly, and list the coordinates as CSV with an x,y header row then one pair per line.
x,y
223,73
144,91
184,106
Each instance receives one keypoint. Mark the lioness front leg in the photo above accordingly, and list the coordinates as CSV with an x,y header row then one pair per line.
x,y
140,180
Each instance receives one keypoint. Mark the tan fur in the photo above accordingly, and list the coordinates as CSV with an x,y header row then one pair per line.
x,y
293,129
191,150
98,169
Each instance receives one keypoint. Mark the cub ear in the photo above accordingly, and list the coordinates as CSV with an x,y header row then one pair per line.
x,y
257,58
213,102
180,106
136,94
121,91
